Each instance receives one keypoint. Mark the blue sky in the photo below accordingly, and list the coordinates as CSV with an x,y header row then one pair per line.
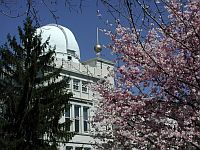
x,y
83,25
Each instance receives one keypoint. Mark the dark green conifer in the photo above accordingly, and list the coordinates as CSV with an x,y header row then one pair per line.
x,y
32,94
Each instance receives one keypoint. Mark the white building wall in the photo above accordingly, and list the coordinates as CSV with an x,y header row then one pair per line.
x,y
90,71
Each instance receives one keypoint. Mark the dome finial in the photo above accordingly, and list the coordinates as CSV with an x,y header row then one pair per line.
x,y
97,47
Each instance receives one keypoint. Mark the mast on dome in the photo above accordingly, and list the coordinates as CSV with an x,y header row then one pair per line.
x,y
97,47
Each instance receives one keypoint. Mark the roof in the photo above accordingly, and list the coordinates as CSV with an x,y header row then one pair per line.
x,y
61,37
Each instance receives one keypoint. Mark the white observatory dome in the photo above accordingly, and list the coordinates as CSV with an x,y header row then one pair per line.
x,y
66,45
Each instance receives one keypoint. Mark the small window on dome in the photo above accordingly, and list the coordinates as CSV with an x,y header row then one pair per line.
x,y
71,52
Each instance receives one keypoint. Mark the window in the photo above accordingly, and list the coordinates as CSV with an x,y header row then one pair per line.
x,y
69,148
78,148
68,84
79,121
67,117
84,86
77,117
85,119
87,148
76,84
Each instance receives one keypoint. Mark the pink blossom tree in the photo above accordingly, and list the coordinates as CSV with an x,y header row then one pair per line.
x,y
155,102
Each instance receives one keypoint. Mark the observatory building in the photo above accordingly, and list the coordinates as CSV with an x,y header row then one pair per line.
x,y
82,74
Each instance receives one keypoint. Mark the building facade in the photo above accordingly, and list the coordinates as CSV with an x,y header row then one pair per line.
x,y
82,74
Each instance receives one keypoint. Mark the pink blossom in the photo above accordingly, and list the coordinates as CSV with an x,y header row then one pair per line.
x,y
156,100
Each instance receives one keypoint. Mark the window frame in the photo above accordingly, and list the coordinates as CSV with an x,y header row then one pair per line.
x,y
68,84
86,120
68,117
77,118
76,84
84,86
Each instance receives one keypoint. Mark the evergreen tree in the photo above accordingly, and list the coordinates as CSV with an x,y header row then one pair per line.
x,y
32,94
